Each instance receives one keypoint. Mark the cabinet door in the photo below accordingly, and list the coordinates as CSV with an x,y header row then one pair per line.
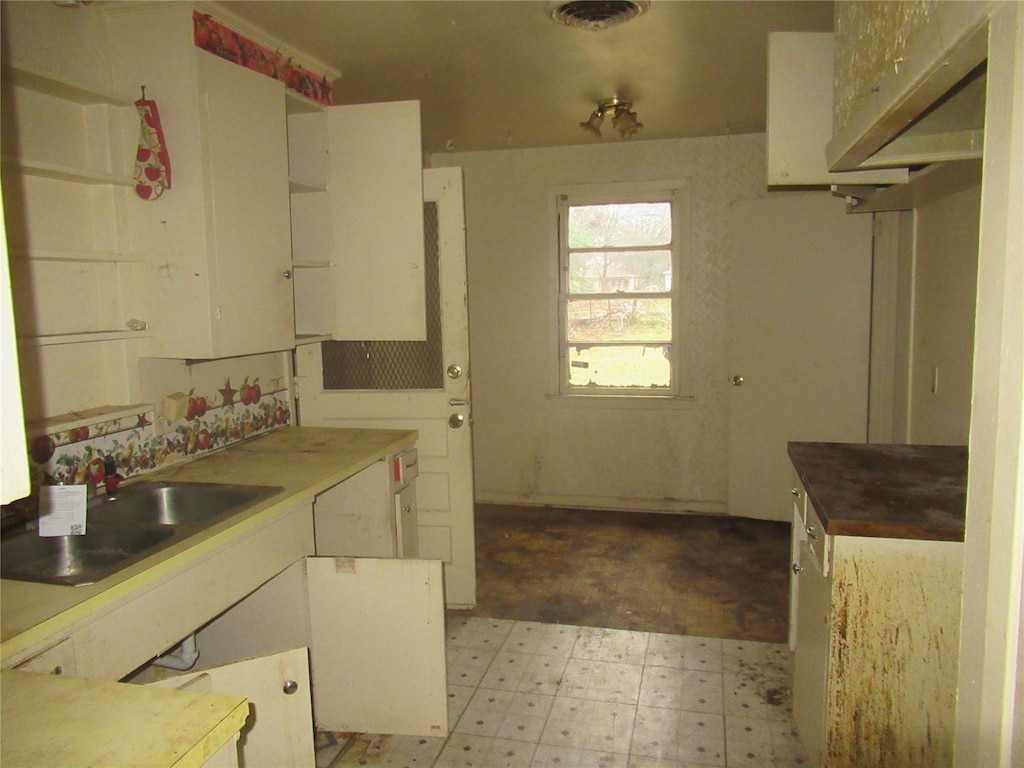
x,y
376,211
355,518
279,731
799,122
245,156
56,660
810,677
407,522
377,645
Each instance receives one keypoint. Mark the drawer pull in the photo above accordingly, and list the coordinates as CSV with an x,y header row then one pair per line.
x,y
797,567
809,530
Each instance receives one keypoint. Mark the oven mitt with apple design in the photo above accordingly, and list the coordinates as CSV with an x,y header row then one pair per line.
x,y
152,163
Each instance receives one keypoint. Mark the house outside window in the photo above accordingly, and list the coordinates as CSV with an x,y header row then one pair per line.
x,y
622,278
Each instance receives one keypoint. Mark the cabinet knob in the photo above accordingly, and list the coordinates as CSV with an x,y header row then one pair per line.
x,y
795,492
811,533
287,274
736,381
290,687
797,567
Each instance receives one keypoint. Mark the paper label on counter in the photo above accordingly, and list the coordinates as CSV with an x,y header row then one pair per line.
x,y
62,510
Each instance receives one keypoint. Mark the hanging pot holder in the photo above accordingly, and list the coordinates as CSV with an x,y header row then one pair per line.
x,y
152,163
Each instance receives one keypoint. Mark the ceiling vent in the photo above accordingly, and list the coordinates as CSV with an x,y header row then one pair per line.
x,y
597,14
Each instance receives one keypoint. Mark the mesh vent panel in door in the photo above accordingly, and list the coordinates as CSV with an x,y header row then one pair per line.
x,y
396,364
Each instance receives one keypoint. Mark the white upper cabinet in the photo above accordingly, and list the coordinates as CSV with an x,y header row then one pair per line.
x,y
217,243
800,114
356,182
76,275
376,214
917,95
247,191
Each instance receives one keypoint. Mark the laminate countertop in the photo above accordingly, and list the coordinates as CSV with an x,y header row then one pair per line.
x,y
301,461
49,720
883,490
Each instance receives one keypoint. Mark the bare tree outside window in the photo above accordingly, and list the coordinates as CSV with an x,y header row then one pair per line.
x,y
617,296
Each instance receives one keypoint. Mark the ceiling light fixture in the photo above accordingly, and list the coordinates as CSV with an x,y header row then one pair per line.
x,y
623,118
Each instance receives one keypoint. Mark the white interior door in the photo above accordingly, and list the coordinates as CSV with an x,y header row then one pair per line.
x,y
444,487
799,319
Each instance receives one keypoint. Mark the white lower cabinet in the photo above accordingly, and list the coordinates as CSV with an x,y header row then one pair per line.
x,y
876,638
278,731
356,518
811,667
56,660
377,645
375,633
373,513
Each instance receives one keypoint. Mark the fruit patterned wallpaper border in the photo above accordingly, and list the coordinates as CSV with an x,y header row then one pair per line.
x,y
76,455
222,41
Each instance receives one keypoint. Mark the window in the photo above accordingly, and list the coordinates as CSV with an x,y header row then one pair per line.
x,y
620,277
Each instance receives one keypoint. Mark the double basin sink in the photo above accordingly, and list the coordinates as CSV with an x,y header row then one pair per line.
x,y
124,527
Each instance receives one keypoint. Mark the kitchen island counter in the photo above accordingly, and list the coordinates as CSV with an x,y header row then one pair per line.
x,y
882,490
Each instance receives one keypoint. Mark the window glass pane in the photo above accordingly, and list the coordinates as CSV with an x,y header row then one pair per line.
x,y
620,224
638,365
627,271
619,319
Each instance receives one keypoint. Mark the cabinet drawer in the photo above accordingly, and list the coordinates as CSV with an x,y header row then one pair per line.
x,y
799,496
810,528
818,541
55,660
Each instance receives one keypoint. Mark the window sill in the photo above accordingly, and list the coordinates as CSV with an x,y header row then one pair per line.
x,y
626,402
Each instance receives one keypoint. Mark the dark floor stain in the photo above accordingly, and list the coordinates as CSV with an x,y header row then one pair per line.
x,y
776,696
705,575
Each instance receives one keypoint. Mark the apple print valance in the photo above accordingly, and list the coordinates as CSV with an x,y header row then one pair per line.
x,y
212,36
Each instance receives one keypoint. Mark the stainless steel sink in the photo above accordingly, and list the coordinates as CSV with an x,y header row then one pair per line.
x,y
174,503
133,523
77,560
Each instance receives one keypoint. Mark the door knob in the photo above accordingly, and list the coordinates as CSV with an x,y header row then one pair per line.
x,y
456,420
454,371
736,381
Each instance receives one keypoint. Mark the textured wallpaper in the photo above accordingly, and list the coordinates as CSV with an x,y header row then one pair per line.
x,y
533,447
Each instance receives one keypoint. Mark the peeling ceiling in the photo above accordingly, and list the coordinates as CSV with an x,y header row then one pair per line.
x,y
492,74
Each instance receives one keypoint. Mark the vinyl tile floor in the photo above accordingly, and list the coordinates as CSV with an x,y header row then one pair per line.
x,y
526,694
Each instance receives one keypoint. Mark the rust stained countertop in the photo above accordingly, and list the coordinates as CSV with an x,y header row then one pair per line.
x,y
883,490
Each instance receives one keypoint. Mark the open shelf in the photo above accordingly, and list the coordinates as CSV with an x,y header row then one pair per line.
x,y
85,337
84,418
41,82
66,173
299,186
90,257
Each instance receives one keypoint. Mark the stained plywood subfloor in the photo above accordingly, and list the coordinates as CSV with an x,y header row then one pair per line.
x,y
704,575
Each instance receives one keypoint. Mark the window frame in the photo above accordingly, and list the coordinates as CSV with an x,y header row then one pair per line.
x,y
677,193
